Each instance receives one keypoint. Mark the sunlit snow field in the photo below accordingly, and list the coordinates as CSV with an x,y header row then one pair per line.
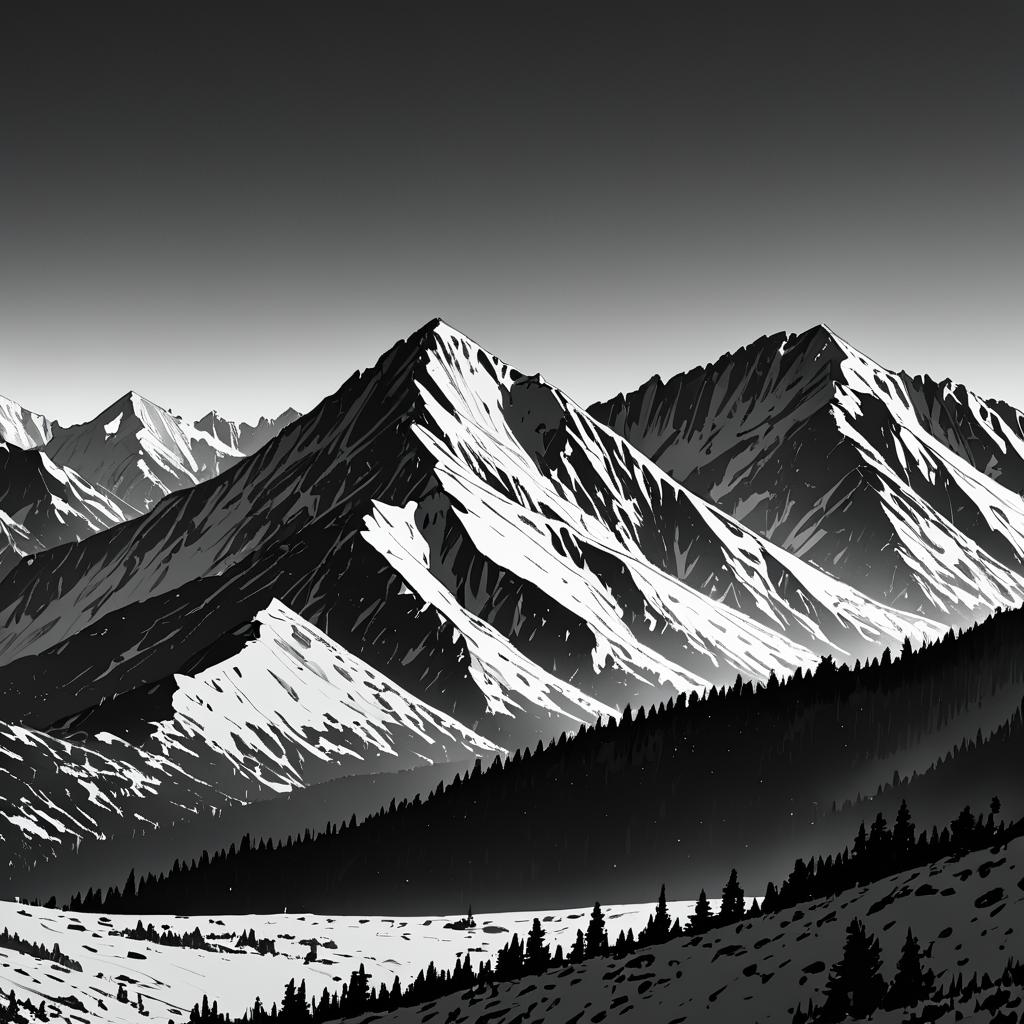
x,y
172,979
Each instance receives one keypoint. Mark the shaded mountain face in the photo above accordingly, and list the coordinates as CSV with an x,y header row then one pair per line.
x,y
465,530
749,779
907,489
22,427
43,505
288,708
244,437
63,791
139,451
89,477
86,478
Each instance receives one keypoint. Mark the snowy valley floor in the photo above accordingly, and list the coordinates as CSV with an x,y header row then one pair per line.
x,y
173,979
968,915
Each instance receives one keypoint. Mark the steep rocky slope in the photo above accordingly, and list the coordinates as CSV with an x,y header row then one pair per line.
x,y
907,489
467,531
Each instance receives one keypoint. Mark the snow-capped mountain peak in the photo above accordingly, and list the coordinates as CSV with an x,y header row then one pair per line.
x,y
293,707
908,489
22,427
140,451
445,534
241,436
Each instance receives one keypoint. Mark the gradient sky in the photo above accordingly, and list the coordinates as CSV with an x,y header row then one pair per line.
x,y
237,205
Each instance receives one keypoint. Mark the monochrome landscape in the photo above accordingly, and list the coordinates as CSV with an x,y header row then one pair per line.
x,y
452,640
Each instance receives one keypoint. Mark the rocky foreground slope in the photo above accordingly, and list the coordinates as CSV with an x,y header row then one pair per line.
x,y
967,915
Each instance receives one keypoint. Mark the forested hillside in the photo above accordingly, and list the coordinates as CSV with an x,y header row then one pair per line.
x,y
745,776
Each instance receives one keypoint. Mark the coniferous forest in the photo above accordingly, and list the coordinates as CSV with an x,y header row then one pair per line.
x,y
663,792
512,516
855,988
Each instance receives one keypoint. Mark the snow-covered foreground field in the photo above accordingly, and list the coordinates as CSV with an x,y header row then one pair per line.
x,y
172,979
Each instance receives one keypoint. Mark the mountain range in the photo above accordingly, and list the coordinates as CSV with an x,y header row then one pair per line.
x,y
448,557
244,437
62,484
43,505
22,427
907,488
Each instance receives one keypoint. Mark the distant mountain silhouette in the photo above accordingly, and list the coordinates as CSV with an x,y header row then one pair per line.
x,y
245,437
43,505
140,451
21,427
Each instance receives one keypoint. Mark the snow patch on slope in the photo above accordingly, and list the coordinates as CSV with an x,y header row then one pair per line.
x,y
293,706
509,681
140,451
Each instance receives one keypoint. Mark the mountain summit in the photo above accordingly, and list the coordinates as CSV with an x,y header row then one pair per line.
x,y
22,427
140,451
464,529
907,489
244,437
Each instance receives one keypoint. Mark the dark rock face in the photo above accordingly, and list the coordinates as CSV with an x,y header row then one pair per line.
x,y
907,489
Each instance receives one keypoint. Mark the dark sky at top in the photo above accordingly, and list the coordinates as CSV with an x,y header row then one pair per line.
x,y
239,204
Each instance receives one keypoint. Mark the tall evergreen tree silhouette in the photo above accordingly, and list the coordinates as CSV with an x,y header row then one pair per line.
x,y
733,905
538,955
911,983
855,987
661,923
509,964
701,919
903,837
358,988
597,934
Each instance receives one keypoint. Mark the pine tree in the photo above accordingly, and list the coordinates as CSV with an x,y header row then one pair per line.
x,y
577,954
538,955
878,841
701,918
509,963
911,983
661,924
358,988
962,831
860,844
855,987
732,901
903,835
597,935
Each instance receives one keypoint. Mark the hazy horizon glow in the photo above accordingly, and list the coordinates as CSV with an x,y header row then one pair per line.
x,y
239,210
